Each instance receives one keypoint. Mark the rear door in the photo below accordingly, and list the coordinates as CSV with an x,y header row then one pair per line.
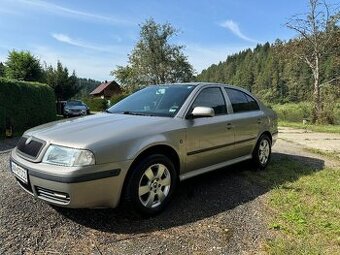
x,y
209,139
247,120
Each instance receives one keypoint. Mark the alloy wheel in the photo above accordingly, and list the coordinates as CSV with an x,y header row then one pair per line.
x,y
154,185
264,151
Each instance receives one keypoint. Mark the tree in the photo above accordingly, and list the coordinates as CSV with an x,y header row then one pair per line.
x,y
87,86
2,70
22,65
315,30
65,86
154,59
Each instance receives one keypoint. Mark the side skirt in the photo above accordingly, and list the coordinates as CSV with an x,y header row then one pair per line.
x,y
213,167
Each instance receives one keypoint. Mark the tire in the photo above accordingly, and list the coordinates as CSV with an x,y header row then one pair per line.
x,y
150,185
262,152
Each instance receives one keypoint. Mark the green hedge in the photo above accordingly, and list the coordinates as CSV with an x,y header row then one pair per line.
x,y
296,112
25,104
115,99
96,104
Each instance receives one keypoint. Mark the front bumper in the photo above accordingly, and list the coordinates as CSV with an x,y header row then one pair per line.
x,y
75,113
87,187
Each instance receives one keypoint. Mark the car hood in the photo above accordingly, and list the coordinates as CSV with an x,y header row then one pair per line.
x,y
85,131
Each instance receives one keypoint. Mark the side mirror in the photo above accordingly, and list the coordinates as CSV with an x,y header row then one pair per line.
x,y
202,111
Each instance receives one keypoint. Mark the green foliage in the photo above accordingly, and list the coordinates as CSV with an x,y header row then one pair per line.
x,y
293,112
87,86
312,127
96,104
65,86
154,60
2,70
317,30
25,104
304,205
22,65
296,112
116,98
275,74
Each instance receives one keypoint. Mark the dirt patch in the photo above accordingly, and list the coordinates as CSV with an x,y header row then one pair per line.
x,y
314,140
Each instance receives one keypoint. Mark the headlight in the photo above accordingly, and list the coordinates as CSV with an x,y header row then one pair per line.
x,y
64,156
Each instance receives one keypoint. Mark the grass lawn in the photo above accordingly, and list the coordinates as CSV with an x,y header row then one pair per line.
x,y
304,207
312,127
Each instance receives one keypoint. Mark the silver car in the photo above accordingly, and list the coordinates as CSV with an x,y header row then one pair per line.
x,y
75,108
143,146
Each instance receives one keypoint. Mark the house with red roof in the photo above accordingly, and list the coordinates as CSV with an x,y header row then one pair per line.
x,y
106,90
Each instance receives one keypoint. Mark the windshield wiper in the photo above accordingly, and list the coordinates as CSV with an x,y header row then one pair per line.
x,y
132,113
137,113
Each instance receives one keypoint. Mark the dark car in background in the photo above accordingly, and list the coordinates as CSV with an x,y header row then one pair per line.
x,y
75,108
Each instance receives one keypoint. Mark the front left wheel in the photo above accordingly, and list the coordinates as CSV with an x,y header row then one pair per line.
x,y
151,184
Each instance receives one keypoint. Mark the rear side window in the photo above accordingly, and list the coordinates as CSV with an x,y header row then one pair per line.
x,y
211,97
241,102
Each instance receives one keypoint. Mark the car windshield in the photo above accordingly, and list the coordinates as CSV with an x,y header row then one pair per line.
x,y
154,101
74,103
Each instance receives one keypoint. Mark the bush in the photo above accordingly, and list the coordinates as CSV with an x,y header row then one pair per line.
x,y
25,104
337,112
294,112
115,99
96,104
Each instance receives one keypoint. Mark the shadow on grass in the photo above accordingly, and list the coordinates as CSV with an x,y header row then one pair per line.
x,y
203,196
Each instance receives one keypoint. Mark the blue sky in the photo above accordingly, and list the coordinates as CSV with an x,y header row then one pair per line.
x,y
92,37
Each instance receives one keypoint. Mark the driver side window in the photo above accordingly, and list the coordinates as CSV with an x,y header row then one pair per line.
x,y
211,97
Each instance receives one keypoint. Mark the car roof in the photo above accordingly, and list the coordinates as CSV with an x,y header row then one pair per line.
x,y
201,84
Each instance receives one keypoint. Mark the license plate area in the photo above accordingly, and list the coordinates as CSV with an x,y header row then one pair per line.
x,y
19,172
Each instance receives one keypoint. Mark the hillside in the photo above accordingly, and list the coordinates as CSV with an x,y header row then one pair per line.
x,y
275,74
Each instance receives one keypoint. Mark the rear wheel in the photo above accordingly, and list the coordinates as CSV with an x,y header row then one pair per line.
x,y
151,184
262,152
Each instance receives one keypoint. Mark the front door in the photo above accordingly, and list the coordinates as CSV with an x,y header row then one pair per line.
x,y
209,139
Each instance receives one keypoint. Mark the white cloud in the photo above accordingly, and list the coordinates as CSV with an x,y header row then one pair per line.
x,y
87,45
68,40
201,57
95,66
73,13
235,29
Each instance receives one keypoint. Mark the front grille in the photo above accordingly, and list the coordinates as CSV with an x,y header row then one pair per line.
x,y
52,196
31,149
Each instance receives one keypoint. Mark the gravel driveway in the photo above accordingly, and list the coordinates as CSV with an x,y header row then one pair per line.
x,y
217,213
314,140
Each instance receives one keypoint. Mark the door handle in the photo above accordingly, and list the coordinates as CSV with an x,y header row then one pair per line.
x,y
259,121
229,126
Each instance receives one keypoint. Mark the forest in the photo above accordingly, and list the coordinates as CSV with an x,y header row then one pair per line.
x,y
275,74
